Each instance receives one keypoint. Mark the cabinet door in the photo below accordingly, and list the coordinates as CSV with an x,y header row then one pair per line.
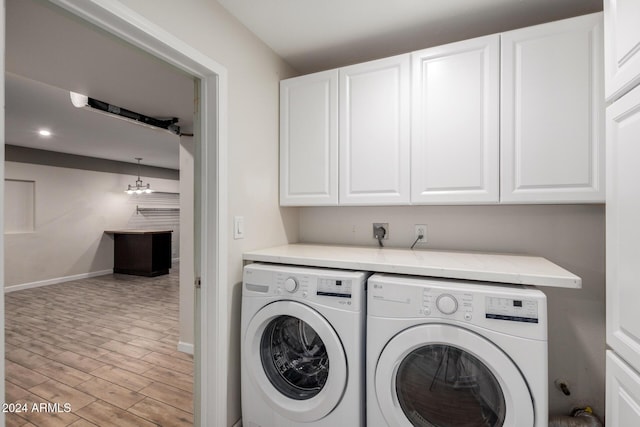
x,y
309,140
623,393
455,123
622,50
623,227
374,132
552,113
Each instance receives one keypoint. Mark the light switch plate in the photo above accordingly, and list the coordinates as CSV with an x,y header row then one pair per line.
x,y
238,227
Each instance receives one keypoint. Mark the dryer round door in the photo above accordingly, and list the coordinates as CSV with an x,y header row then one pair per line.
x,y
296,360
446,376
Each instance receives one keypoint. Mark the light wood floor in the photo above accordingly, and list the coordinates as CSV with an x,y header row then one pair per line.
x,y
106,346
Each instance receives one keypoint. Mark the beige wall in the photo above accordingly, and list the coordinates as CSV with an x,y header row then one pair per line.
x,y
73,207
571,236
254,72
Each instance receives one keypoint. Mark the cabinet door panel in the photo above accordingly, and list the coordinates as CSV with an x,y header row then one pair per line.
x,y
623,393
623,227
622,52
374,132
552,135
309,140
455,113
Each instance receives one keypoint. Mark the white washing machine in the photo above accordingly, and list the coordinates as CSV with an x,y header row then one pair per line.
x,y
451,353
302,347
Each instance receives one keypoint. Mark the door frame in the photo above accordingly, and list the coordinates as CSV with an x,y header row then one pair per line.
x,y
211,346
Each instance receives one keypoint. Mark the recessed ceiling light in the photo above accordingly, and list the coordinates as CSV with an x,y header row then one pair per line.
x,y
44,132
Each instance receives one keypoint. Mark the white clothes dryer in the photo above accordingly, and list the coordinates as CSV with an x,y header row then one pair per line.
x,y
302,347
455,353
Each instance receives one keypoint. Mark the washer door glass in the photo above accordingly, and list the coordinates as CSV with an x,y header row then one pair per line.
x,y
294,357
441,385
294,360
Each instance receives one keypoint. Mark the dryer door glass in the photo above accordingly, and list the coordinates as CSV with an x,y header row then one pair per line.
x,y
294,358
444,386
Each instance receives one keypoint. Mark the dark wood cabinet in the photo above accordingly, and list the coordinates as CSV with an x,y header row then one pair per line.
x,y
142,252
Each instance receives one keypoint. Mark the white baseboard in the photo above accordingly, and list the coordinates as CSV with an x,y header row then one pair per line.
x,y
56,280
185,347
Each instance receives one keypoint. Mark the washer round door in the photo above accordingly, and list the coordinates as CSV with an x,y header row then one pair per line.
x,y
296,360
444,376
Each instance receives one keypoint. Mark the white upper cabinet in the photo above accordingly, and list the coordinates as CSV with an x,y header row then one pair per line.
x,y
455,123
374,132
622,53
623,227
309,140
511,118
552,133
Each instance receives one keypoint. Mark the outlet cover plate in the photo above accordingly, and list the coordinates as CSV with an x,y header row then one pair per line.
x,y
381,224
418,230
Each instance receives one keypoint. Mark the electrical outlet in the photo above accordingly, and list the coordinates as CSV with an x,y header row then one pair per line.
x,y
376,227
420,230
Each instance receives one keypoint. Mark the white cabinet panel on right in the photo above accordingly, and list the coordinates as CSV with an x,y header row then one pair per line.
x,y
623,227
622,52
552,107
622,393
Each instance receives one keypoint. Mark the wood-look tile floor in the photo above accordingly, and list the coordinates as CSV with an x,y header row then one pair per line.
x,y
106,346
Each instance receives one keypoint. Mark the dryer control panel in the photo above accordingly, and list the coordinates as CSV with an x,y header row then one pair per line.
x,y
455,305
511,309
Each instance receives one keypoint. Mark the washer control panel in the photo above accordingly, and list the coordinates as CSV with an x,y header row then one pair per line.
x,y
335,288
340,288
515,310
447,304
291,284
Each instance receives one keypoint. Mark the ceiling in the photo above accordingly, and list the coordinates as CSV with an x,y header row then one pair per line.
x,y
319,35
49,53
31,106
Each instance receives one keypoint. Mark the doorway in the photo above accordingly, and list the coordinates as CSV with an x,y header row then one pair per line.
x,y
210,208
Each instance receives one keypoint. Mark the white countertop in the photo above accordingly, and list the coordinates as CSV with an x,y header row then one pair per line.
x,y
502,268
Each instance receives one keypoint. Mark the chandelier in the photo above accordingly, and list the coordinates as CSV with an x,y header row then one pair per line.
x,y
139,187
